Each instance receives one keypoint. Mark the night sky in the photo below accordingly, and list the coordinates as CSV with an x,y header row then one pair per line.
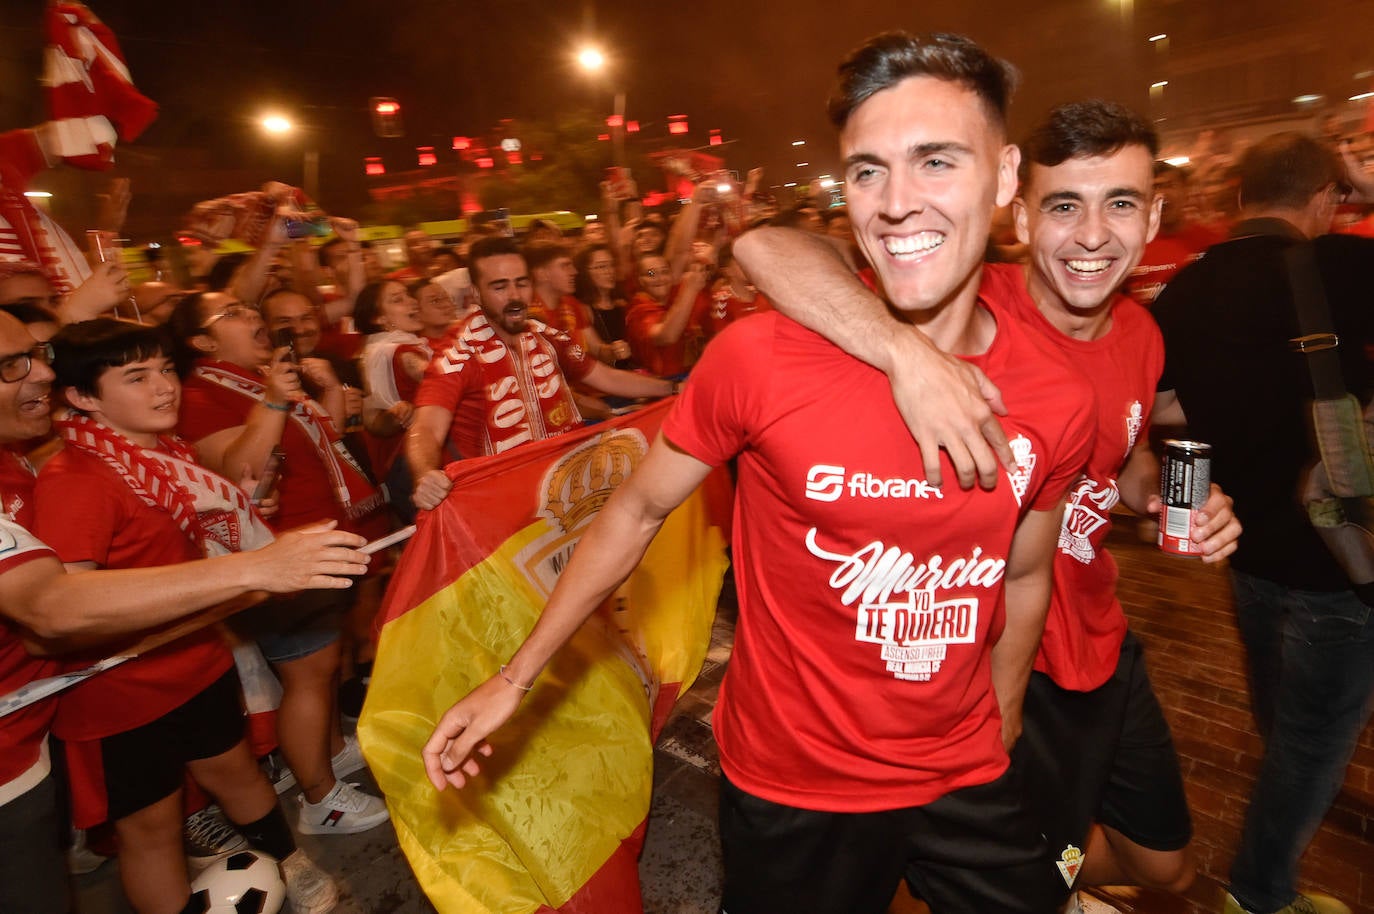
x,y
758,70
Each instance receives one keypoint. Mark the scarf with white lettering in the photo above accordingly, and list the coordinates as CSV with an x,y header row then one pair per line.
x,y
214,513
353,491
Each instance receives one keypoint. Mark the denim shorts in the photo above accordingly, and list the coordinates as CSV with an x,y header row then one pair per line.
x,y
294,646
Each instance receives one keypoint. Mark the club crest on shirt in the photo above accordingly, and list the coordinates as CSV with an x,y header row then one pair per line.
x,y
1135,418
1069,863
1020,477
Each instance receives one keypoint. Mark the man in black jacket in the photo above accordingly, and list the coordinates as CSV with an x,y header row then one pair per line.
x,y
1228,320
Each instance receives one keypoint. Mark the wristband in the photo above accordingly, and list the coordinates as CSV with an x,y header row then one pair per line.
x,y
527,688
283,408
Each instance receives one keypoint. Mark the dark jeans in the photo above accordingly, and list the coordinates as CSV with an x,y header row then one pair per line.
x,y
33,868
1311,669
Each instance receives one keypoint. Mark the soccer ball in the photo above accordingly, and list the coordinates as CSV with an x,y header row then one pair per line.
x,y
247,882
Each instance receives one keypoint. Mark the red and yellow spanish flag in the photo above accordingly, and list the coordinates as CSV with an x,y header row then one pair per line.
x,y
556,820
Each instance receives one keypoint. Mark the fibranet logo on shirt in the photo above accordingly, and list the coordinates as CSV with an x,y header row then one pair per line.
x,y
828,483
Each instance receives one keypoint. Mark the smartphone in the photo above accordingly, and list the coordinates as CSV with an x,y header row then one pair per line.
x,y
268,480
307,228
283,336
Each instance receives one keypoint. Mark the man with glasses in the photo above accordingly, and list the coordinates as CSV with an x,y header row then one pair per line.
x,y
1308,631
42,607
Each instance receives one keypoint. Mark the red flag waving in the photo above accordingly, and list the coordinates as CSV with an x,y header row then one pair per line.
x,y
92,101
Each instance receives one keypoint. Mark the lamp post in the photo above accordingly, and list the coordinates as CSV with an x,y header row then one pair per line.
x,y
591,59
279,125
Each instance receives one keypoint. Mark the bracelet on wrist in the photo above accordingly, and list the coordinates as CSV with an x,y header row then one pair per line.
x,y
281,408
522,688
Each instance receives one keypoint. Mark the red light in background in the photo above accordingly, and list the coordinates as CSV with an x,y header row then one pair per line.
x,y
536,157
426,155
514,158
632,127
716,138
677,123
604,137
372,165
615,120
486,162
460,143
386,117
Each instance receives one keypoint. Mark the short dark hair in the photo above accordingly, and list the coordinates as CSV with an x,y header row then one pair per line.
x,y
84,351
1286,170
1085,130
542,253
885,60
490,246
222,273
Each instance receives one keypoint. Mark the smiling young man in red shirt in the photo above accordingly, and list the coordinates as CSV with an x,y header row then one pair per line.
x,y
1085,210
859,730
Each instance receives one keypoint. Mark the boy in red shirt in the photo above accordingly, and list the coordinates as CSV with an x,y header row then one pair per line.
x,y
125,493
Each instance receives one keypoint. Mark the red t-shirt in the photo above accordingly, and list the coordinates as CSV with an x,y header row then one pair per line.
x,y
1086,625
861,678
87,513
502,397
304,488
572,316
720,308
1164,257
21,733
665,361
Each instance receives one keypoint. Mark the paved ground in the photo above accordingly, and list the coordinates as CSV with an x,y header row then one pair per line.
x,y
1182,612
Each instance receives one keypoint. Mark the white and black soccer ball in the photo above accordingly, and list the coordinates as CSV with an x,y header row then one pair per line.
x,y
246,882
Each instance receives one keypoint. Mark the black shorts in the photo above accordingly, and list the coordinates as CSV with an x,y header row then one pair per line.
x,y
1103,756
972,851
147,764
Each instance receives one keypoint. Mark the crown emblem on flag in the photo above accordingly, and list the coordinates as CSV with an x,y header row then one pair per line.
x,y
577,486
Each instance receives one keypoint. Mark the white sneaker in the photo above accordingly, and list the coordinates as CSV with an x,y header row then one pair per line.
x,y
349,759
311,889
345,810
208,835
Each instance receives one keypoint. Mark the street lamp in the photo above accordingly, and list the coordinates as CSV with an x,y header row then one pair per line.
x,y
278,125
593,61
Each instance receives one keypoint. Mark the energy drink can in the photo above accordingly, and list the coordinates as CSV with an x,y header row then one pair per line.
x,y
1185,478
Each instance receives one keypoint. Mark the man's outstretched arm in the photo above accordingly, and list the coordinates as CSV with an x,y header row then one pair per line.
x,y
607,553
946,402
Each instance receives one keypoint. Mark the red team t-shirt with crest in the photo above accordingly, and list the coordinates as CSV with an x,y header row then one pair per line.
x,y
869,600
499,398
1086,625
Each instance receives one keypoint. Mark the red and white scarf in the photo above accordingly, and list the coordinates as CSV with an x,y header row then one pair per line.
x,y
91,97
213,512
353,491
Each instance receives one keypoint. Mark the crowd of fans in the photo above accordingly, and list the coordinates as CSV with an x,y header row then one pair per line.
x,y
309,382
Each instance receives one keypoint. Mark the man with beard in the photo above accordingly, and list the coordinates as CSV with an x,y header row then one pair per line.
x,y
504,381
